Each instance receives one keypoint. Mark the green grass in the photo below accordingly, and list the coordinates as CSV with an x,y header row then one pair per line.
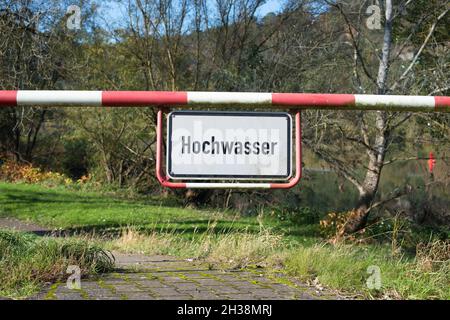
x,y
346,267
160,226
27,261
77,211
62,208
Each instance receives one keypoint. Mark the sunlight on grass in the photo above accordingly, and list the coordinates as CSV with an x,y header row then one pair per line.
x,y
220,239
345,267
230,250
83,211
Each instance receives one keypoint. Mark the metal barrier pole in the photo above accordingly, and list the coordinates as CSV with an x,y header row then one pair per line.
x,y
215,99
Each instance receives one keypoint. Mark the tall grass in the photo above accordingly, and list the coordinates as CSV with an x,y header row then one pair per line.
x,y
27,262
345,267
225,249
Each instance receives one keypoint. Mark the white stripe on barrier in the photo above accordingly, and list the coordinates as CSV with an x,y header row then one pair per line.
x,y
313,101
229,98
379,102
200,185
52,97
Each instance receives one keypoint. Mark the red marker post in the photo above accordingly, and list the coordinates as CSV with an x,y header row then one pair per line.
x,y
431,162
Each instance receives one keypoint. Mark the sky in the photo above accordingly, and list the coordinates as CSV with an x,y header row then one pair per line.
x,y
113,13
270,6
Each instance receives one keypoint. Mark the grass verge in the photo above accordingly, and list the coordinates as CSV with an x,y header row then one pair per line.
x,y
27,261
351,269
225,249
355,269
155,226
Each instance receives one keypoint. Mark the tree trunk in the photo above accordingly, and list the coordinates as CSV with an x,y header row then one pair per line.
x,y
369,187
32,137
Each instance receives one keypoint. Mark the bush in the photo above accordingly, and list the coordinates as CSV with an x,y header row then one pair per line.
x,y
16,172
333,224
305,215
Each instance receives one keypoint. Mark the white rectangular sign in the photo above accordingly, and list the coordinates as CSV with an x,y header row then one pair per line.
x,y
229,145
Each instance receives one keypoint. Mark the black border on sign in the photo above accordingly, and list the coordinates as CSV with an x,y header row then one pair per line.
x,y
228,113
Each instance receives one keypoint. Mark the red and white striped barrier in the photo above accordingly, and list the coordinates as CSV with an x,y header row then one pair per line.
x,y
283,100
193,99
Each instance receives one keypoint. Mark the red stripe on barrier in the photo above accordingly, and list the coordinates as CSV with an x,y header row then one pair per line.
x,y
442,103
313,99
8,98
136,98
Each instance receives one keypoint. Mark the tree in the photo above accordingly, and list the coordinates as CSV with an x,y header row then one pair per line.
x,y
372,133
35,54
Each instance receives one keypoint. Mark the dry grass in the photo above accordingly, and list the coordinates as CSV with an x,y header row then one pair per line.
x,y
232,250
26,261
243,249
434,255
345,267
342,266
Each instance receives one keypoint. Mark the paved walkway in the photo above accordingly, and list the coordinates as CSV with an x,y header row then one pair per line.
x,y
25,226
143,277
163,277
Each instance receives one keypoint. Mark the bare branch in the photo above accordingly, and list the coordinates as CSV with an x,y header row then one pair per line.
x,y
419,53
354,42
440,90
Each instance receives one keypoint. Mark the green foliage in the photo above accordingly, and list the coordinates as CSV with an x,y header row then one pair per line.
x,y
75,158
303,49
292,51
303,215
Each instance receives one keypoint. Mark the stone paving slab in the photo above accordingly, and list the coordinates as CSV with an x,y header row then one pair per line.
x,y
140,277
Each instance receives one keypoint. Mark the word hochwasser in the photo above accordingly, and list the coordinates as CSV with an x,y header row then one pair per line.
x,y
227,147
